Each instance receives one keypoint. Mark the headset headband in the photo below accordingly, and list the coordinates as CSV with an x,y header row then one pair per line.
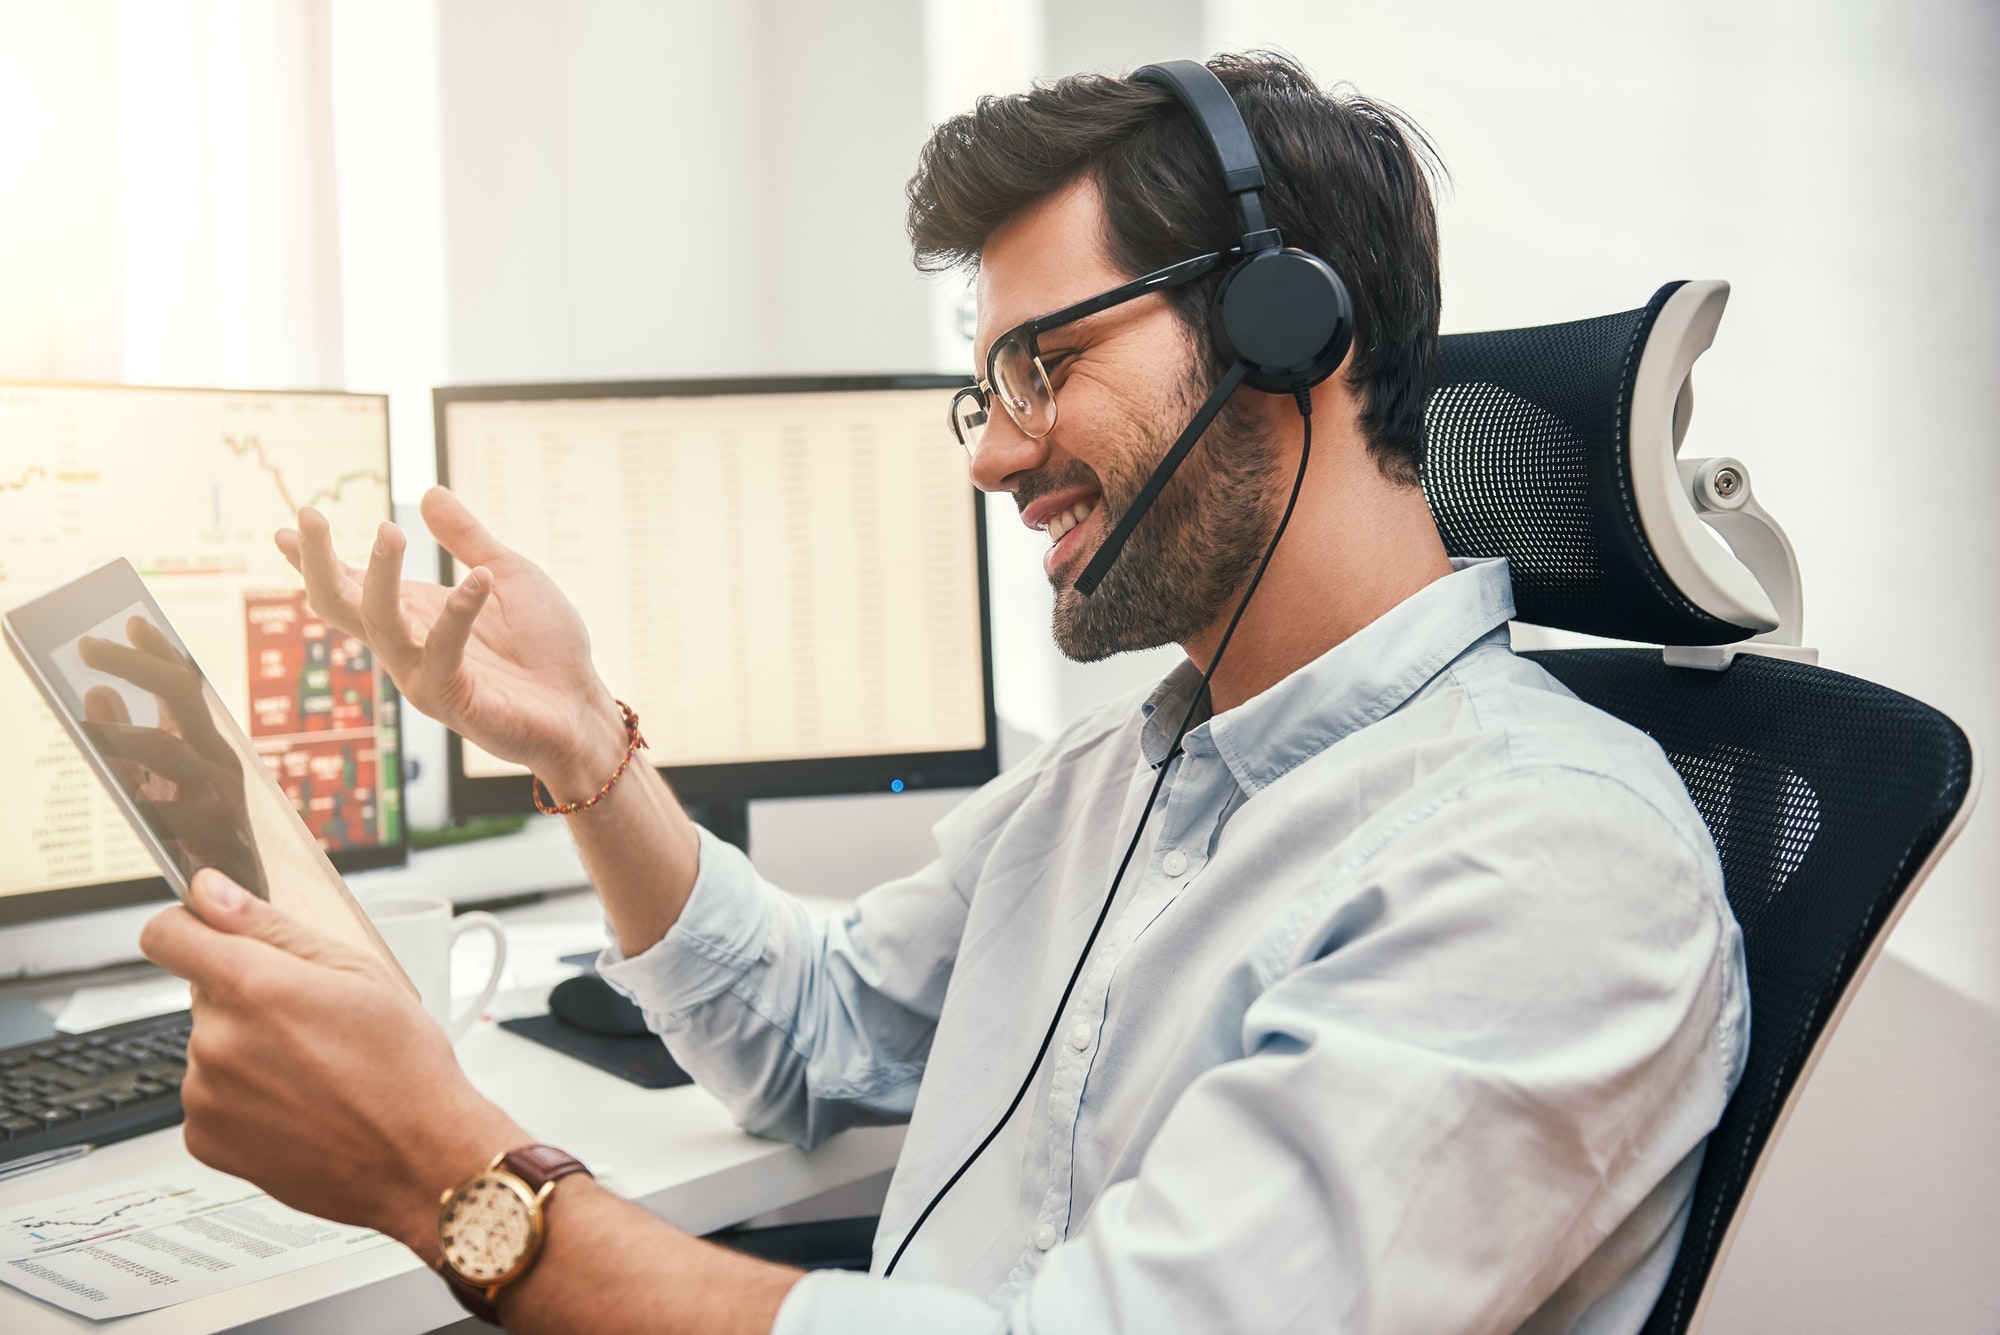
x,y
1196,87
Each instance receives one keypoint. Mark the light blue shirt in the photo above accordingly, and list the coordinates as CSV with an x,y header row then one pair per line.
x,y
1412,1015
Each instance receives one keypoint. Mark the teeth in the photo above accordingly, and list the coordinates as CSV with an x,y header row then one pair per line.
x,y
1068,519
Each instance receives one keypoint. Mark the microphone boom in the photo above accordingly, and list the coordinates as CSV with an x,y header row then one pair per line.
x,y
1100,564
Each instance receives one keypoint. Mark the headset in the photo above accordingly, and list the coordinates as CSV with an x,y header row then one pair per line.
x,y
1282,317
1283,320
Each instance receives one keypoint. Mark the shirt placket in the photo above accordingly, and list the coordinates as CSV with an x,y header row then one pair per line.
x,y
1179,850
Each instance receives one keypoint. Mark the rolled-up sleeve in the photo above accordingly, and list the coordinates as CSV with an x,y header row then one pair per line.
x,y
799,1025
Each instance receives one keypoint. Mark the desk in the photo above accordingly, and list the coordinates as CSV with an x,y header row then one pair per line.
x,y
675,1151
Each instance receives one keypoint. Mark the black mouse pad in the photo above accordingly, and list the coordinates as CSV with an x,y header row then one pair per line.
x,y
640,1058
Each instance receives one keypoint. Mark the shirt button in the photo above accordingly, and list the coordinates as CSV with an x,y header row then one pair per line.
x,y
1174,863
1045,1236
1079,1037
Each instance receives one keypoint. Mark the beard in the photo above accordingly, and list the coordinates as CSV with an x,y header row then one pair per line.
x,y
1197,545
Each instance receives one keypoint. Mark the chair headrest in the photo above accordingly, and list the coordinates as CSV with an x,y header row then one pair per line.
x,y
1555,447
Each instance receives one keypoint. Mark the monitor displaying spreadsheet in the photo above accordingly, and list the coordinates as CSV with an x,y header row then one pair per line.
x,y
189,485
785,579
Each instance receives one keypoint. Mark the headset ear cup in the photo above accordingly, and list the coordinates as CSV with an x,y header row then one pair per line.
x,y
1286,314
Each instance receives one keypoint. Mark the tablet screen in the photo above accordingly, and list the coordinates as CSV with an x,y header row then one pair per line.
x,y
166,741
163,740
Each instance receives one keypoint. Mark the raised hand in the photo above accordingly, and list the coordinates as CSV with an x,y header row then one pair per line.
x,y
502,659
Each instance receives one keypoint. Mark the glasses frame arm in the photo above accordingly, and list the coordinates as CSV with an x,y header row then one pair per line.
x,y
1159,280
1174,275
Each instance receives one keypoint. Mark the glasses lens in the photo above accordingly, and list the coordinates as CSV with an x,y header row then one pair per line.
x,y
968,418
1023,389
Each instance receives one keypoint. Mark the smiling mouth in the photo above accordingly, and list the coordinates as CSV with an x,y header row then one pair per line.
x,y
1060,524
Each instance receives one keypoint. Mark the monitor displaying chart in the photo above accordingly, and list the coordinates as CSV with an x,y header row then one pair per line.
x,y
785,580
189,486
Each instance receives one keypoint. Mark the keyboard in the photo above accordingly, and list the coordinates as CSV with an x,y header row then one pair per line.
x,y
109,1084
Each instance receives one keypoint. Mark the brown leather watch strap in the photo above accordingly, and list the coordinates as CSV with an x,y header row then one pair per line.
x,y
539,1165
470,1296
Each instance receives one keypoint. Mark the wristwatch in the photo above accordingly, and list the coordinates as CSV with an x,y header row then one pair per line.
x,y
490,1226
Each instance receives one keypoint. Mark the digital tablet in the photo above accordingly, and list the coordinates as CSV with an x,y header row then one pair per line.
x,y
158,738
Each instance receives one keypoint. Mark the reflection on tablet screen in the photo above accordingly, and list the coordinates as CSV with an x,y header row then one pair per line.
x,y
167,741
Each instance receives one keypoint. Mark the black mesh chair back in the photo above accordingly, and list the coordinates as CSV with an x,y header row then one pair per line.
x,y
1828,797
1530,457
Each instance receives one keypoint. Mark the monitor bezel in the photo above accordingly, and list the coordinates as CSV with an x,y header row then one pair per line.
x,y
31,906
740,781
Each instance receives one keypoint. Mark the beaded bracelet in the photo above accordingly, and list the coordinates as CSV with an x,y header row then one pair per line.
x,y
634,744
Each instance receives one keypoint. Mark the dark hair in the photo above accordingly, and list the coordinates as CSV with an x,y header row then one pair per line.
x,y
1349,180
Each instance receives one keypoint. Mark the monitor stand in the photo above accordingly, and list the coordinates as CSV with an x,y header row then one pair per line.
x,y
726,818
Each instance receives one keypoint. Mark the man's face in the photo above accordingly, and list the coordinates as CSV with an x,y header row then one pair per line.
x,y
1126,383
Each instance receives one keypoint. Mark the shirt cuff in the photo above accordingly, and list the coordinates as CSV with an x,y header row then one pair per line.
x,y
720,934
837,1302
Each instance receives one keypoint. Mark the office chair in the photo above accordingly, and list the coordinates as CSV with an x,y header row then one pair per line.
x,y
1829,798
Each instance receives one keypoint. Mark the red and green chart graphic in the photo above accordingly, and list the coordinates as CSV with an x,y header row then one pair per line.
x,y
324,719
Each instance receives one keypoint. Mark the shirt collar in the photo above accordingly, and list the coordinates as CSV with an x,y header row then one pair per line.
x,y
1359,681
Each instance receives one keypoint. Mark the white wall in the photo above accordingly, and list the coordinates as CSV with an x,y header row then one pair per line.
x,y
389,165
231,262
166,193
637,189
59,224
1880,1208
1840,165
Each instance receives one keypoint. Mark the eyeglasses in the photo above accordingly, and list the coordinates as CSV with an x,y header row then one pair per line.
x,y
1015,377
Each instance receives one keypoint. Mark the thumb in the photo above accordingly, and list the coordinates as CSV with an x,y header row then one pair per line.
x,y
228,907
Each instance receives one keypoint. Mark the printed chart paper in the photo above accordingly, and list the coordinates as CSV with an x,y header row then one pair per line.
x,y
134,1246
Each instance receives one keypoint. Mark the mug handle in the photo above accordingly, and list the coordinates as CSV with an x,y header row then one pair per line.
x,y
460,925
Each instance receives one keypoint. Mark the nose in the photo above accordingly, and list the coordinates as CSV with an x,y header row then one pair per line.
x,y
1005,451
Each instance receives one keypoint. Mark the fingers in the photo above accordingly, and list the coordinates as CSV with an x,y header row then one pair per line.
x,y
444,646
156,663
189,948
101,704
150,639
230,909
170,678
382,603
155,748
183,695
457,531
231,952
330,587
287,540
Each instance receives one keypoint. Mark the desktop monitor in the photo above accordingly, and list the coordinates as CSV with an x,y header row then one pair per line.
x,y
189,485
785,578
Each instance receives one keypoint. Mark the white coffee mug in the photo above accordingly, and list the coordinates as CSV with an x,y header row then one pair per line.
x,y
422,933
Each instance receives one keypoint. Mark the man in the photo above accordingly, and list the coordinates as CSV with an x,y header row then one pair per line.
x,y
1412,1010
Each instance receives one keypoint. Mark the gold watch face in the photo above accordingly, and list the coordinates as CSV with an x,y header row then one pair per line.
x,y
489,1228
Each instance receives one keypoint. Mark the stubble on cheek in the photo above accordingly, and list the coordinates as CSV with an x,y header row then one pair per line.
x,y
1194,548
